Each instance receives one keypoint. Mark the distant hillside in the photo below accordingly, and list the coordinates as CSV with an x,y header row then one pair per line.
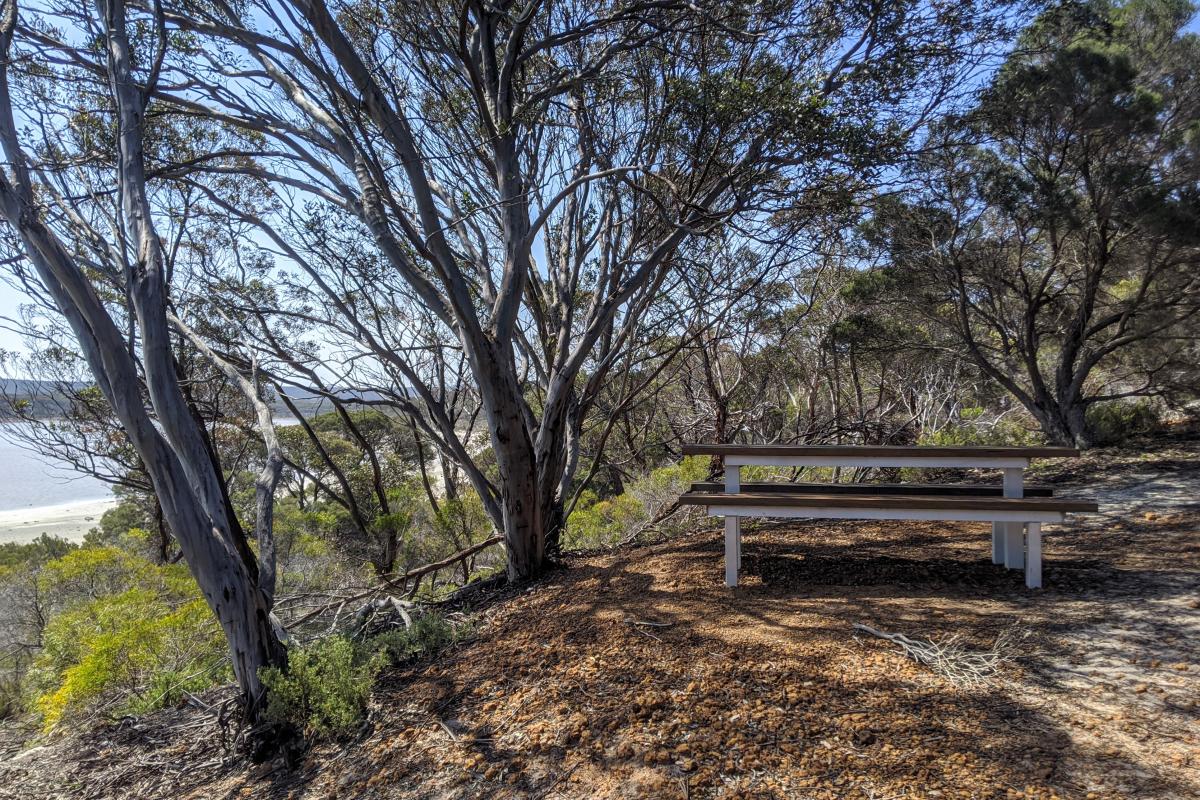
x,y
45,397
47,400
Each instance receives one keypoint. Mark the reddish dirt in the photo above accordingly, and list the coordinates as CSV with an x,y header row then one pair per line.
x,y
765,692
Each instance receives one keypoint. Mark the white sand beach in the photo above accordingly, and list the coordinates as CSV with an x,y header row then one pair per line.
x,y
66,520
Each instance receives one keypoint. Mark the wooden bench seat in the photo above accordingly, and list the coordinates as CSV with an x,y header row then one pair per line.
x,y
891,502
1015,510
938,489
876,451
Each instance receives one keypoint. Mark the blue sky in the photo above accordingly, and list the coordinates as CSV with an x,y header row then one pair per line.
x,y
11,298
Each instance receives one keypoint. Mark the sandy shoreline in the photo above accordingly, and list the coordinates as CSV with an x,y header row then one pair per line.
x,y
66,520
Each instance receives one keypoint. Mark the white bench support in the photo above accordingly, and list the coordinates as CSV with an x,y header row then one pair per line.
x,y
731,546
733,528
997,542
1014,547
1033,556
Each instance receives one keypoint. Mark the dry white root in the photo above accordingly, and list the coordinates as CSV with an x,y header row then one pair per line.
x,y
949,658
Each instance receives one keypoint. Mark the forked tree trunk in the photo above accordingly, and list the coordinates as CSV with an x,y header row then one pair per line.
x,y
1064,422
168,442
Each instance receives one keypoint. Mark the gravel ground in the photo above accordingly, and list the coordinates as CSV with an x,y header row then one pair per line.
x,y
637,674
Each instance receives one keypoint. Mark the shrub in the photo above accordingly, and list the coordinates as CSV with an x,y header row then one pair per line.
x,y
973,429
603,523
325,689
123,634
428,634
461,522
607,522
1116,421
131,652
31,555
23,610
304,550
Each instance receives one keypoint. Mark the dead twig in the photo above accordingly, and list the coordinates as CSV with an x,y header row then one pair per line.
x,y
952,659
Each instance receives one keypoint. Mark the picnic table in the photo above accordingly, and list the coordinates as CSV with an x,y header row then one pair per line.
x,y
1016,511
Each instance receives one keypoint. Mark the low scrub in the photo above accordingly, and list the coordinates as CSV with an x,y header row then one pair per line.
x,y
325,690
123,635
974,426
607,522
327,684
428,634
1115,421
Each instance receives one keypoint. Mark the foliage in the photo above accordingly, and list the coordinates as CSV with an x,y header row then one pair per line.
x,y
127,635
306,544
1118,420
462,521
29,555
22,614
325,690
118,520
1051,230
429,633
974,428
327,684
604,523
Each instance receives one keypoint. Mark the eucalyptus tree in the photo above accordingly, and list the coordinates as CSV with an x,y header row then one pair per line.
x,y
93,234
1055,234
518,178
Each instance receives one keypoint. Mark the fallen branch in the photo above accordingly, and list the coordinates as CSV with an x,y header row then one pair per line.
x,y
949,657
390,583
400,581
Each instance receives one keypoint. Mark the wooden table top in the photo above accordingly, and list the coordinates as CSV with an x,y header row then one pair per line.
x,y
875,451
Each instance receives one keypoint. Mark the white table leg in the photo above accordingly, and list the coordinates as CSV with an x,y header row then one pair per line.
x,y
733,528
1033,558
731,554
997,542
1014,545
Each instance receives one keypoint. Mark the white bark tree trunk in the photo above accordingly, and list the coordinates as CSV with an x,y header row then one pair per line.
x,y
165,436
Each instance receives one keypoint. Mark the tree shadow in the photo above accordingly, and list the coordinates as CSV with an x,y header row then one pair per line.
x,y
639,674
785,639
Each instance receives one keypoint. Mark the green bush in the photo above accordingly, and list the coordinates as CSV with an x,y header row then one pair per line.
x,y
971,430
606,522
1116,421
124,635
23,612
603,523
325,690
428,634
31,555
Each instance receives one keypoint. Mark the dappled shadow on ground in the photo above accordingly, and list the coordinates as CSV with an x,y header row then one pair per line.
x,y
639,675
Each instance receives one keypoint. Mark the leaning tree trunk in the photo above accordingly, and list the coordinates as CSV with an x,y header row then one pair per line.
x,y
169,444
240,606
